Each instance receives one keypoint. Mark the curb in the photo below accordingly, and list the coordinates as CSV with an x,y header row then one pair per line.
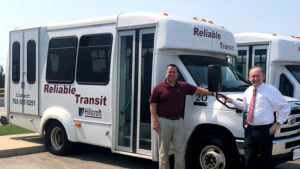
x,y
21,144
21,151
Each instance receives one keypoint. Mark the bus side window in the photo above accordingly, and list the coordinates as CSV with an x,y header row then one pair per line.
x,y
94,55
260,59
16,62
285,86
241,62
61,60
31,61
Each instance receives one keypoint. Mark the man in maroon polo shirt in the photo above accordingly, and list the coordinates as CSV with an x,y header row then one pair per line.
x,y
167,107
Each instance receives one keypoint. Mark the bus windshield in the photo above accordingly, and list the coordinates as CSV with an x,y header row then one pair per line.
x,y
295,70
232,80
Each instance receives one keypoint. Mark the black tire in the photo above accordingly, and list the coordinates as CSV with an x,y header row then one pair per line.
x,y
56,139
213,152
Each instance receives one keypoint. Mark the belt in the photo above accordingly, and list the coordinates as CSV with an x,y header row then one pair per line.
x,y
172,118
260,126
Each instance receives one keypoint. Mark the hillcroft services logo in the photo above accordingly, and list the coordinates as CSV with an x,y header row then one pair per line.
x,y
88,112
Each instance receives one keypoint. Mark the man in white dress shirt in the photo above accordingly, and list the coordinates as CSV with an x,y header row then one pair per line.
x,y
261,101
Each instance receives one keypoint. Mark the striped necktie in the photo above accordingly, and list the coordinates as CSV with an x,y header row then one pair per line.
x,y
250,113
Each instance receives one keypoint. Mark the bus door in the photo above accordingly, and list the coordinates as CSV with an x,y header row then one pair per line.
x,y
135,56
253,55
242,60
259,57
24,71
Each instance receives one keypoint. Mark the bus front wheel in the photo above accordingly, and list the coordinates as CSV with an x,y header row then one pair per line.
x,y
213,152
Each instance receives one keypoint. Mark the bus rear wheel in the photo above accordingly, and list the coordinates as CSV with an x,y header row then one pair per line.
x,y
56,139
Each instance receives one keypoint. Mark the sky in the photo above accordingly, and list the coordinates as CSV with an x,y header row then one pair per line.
x,y
270,16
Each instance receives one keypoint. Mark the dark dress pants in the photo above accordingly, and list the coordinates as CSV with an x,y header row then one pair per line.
x,y
258,143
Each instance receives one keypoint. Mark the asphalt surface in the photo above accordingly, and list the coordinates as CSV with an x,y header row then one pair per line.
x,y
90,157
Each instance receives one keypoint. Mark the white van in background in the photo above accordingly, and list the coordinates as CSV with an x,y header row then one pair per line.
x,y
90,81
279,56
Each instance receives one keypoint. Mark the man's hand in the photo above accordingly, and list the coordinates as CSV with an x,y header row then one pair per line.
x,y
228,99
156,126
153,110
274,128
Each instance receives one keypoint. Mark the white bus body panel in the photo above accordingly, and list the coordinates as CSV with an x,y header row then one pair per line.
x,y
215,114
281,51
72,106
283,48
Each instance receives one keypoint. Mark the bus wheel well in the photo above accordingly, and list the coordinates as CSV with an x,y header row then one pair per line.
x,y
56,139
48,123
211,136
209,129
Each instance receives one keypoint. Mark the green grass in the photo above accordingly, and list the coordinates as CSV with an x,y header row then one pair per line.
x,y
13,129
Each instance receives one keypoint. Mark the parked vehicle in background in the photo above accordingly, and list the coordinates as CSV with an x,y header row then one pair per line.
x,y
89,81
279,56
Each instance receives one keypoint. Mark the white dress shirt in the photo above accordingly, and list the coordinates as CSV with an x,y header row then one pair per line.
x,y
268,100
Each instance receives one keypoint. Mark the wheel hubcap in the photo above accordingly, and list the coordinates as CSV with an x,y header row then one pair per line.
x,y
212,157
57,138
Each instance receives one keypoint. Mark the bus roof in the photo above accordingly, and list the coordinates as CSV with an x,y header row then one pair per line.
x,y
283,49
254,37
173,32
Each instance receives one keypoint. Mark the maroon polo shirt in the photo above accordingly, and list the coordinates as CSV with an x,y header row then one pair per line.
x,y
171,99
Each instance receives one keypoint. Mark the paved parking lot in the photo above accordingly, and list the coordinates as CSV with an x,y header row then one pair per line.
x,y
90,157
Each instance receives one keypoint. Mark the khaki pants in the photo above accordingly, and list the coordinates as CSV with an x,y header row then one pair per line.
x,y
171,131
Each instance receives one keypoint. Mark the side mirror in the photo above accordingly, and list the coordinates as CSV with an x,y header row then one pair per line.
x,y
214,76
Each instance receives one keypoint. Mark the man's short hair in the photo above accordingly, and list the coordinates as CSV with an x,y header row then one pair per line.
x,y
172,65
260,68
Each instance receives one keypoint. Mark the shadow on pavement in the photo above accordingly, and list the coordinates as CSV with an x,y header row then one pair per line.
x,y
104,155
33,139
288,166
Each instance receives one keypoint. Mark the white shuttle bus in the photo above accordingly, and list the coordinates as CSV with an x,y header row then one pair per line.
x,y
279,56
90,82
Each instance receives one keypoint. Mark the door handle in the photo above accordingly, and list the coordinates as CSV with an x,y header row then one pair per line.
x,y
22,85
